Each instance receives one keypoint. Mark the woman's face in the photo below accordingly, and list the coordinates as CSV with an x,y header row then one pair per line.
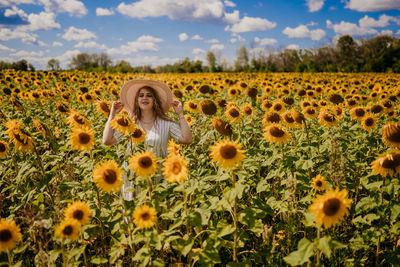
x,y
145,99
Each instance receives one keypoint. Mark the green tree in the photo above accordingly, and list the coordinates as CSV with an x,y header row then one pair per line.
x,y
53,64
242,60
211,59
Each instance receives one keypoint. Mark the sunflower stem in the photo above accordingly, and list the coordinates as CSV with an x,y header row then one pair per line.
x,y
234,216
149,186
10,259
318,251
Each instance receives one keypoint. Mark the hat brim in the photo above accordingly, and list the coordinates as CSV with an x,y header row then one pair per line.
x,y
131,87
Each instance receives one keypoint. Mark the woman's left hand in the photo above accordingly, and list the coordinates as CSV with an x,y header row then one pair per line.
x,y
177,105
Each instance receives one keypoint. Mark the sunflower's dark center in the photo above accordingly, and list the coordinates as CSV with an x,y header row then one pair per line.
x,y
339,111
252,92
336,98
78,214
145,216
204,89
145,162
7,91
248,111
176,168
388,104
228,151
310,111
331,206
188,119
234,113
274,118
329,118
137,133
267,104
393,134
208,107
2,147
232,92
376,109
123,122
360,112
369,122
352,102
276,132
21,138
110,176
289,118
277,107
192,105
392,162
104,107
79,119
84,138
318,183
68,230
306,104
288,101
5,235
35,95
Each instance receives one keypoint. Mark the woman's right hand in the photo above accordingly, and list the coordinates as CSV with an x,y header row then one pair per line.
x,y
116,107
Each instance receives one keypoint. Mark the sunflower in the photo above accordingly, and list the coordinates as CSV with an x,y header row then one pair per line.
x,y
79,211
328,118
266,105
173,148
233,114
174,169
222,127
62,108
369,122
103,107
10,235
319,183
123,124
309,112
247,109
331,207
391,134
143,163
274,133
278,106
233,92
387,164
3,149
228,154
138,135
335,98
377,109
82,138
191,106
208,107
288,119
189,119
145,216
221,102
108,176
358,113
270,118
77,120
252,92
69,228
22,141
39,127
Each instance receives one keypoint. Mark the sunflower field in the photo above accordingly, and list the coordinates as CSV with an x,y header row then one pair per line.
x,y
285,169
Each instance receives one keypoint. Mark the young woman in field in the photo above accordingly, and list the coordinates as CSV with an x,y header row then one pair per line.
x,y
147,102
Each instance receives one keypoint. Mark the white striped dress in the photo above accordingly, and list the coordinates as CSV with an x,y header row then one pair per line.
x,y
157,140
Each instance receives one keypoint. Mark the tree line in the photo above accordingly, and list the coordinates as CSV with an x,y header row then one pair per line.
x,y
376,54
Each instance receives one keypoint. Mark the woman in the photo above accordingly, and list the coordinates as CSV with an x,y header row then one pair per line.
x,y
147,102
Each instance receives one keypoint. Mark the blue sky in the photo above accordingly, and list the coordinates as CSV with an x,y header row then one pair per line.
x,y
157,32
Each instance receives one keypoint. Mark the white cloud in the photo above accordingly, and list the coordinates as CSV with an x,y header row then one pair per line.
x,y
196,37
229,3
248,24
15,2
75,34
217,47
386,32
265,41
91,44
183,37
398,32
14,11
373,5
212,41
104,12
152,60
231,18
293,46
197,51
72,7
188,10
383,21
237,38
41,21
303,32
344,28
5,48
7,34
24,53
315,5
256,50
143,43
57,44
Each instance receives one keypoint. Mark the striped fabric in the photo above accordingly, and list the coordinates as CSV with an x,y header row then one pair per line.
x,y
157,140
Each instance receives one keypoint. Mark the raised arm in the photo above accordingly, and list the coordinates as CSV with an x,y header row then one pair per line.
x,y
186,137
108,133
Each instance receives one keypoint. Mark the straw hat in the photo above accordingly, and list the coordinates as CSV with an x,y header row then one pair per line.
x,y
131,87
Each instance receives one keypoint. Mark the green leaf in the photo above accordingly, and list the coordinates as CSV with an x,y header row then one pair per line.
x,y
395,211
309,219
98,260
323,245
365,204
54,255
302,254
183,245
223,228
